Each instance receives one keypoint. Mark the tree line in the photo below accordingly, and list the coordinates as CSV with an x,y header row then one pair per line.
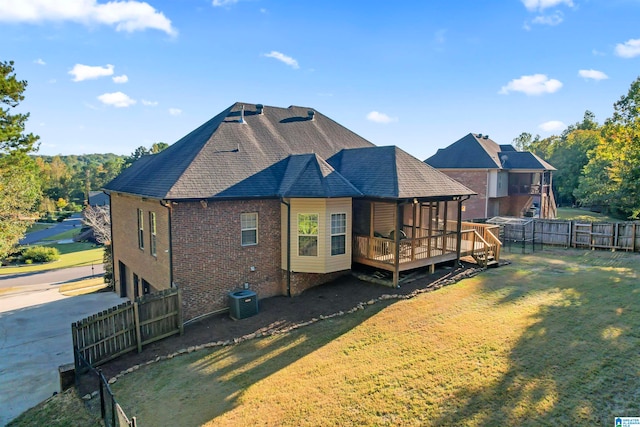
x,y
598,164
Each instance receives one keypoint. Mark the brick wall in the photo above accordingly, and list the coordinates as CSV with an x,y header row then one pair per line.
x,y
474,180
300,282
209,260
153,269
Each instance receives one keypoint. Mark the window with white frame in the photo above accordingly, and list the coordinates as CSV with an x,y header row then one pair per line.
x,y
338,233
152,232
308,234
249,228
140,229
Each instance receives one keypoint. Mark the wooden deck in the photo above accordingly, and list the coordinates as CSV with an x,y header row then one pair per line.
x,y
477,240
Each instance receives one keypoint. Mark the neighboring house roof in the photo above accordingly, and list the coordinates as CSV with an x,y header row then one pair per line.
x,y
479,152
253,151
389,172
98,198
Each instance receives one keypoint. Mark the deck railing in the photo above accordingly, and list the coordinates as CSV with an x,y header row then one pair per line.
x,y
478,240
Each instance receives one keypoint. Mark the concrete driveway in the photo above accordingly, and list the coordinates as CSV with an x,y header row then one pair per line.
x,y
35,338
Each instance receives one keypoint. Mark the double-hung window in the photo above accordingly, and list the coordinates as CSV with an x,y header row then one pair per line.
x,y
308,234
152,232
140,229
249,228
338,233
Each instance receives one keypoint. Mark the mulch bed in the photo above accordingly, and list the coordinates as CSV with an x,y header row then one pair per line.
x,y
280,313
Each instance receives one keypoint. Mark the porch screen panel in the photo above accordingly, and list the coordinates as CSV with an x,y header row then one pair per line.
x,y
384,218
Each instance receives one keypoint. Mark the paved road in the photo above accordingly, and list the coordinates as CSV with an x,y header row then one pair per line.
x,y
59,227
50,277
35,338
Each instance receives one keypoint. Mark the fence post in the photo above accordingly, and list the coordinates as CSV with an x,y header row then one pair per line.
x,y
136,320
180,322
103,409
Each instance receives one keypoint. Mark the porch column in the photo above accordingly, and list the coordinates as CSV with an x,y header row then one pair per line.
x,y
396,238
459,231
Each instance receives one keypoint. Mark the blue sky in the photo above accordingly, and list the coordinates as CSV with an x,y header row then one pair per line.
x,y
112,76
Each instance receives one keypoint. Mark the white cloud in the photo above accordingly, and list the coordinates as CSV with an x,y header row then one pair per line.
x,y
82,72
149,103
116,99
175,111
218,3
377,117
39,61
536,84
593,74
552,126
540,5
284,58
127,15
628,49
554,19
120,79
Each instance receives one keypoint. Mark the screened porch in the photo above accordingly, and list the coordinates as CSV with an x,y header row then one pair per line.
x,y
402,236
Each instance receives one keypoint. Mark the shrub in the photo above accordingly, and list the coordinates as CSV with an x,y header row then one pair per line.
x,y
40,254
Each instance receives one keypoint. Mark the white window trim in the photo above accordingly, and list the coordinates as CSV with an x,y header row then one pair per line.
x,y
332,234
249,229
317,235
141,229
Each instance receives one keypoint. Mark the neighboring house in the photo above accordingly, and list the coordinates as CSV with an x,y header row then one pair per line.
x,y
507,182
279,200
98,198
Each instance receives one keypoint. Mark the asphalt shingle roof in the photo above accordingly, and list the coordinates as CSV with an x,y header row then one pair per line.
x,y
479,152
241,153
390,172
223,152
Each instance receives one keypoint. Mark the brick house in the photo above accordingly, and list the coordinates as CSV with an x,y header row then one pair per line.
x,y
279,200
507,182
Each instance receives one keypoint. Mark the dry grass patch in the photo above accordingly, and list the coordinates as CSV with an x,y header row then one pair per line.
x,y
550,340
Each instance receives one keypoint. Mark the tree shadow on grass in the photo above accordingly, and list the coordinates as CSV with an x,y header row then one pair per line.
x,y
577,363
212,382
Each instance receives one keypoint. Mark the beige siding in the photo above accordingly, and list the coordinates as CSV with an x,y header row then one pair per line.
x,y
323,262
338,262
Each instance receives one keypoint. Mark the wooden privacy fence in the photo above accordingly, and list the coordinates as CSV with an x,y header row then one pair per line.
x,y
594,235
127,327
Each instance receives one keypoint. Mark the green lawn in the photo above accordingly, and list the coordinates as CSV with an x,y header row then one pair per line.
x,y
551,339
584,215
71,255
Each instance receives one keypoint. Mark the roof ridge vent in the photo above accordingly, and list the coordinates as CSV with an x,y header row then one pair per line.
x,y
479,136
486,137
311,114
259,109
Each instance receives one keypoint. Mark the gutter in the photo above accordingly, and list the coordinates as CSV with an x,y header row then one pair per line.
x,y
288,205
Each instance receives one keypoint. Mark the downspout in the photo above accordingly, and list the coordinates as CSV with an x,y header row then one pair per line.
x,y
486,195
288,205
